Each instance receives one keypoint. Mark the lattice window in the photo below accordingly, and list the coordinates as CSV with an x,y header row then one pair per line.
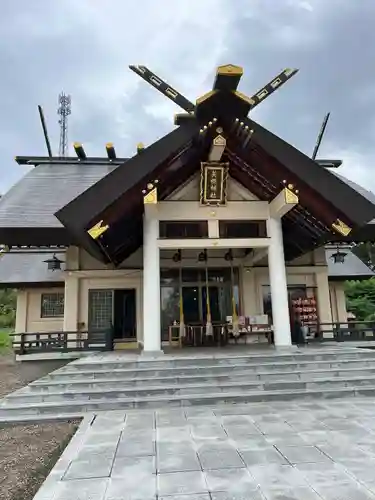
x,y
52,305
100,309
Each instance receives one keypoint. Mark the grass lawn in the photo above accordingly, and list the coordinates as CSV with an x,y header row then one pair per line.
x,y
5,341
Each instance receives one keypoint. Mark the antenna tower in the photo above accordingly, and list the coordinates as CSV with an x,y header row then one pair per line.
x,y
64,110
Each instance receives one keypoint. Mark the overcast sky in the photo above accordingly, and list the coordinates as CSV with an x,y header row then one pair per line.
x,y
84,47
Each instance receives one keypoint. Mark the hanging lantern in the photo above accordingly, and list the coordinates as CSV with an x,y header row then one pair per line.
x,y
339,257
177,256
54,263
228,256
202,257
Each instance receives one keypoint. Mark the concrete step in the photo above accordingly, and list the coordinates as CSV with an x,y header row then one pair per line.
x,y
24,396
83,383
209,369
225,359
160,401
107,382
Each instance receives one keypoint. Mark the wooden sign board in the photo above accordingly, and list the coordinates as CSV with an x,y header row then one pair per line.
x,y
214,183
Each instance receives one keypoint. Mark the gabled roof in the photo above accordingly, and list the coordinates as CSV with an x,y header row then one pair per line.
x,y
45,189
26,269
351,269
27,210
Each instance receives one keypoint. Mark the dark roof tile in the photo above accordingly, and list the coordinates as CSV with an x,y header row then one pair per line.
x,y
33,201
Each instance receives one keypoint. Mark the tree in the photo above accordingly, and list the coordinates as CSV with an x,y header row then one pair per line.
x,y
360,299
365,252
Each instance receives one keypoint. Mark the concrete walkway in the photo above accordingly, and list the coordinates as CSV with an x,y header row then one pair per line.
x,y
279,451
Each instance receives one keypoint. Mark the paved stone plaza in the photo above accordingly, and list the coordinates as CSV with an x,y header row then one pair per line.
x,y
277,451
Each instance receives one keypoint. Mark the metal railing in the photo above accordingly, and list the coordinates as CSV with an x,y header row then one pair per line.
x,y
43,342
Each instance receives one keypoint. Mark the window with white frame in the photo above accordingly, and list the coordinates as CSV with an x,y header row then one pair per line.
x,y
52,305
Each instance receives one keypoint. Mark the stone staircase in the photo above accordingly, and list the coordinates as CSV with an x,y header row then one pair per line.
x,y
121,381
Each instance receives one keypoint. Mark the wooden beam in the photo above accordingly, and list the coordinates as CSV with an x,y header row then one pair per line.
x,y
217,148
283,203
255,257
192,210
207,243
79,150
228,77
111,152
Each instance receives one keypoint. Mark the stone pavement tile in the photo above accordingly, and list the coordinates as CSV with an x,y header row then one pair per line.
x,y
275,476
304,425
253,442
82,489
138,434
93,467
132,489
275,428
369,485
316,437
108,426
135,448
285,439
187,461
178,483
173,434
236,420
200,414
249,495
272,418
238,481
213,431
104,450
133,466
348,491
300,493
303,454
345,452
173,447
214,446
203,496
359,470
140,420
175,418
336,424
323,473
250,410
94,439
242,430
260,457
225,460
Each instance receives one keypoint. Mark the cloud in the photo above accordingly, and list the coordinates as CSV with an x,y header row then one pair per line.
x,y
84,48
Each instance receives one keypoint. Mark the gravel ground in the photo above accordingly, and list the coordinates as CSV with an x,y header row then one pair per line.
x,y
28,452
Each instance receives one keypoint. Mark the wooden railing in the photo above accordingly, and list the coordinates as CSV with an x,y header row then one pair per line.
x,y
42,342
345,332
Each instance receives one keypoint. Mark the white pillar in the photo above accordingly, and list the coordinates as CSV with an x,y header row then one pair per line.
x,y
71,303
279,291
324,301
151,286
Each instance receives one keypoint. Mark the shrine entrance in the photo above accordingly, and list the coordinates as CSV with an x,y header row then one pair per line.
x,y
187,289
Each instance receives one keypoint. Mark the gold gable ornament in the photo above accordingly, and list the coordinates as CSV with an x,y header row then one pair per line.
x,y
97,230
290,197
3,250
229,69
340,227
151,198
